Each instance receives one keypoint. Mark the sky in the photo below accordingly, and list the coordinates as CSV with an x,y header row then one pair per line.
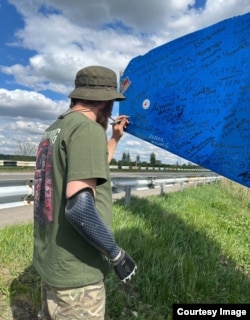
x,y
43,43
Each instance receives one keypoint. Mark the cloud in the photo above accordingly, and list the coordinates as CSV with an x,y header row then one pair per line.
x,y
137,147
29,104
69,35
24,117
58,37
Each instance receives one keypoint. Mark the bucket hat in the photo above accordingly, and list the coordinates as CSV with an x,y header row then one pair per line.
x,y
96,83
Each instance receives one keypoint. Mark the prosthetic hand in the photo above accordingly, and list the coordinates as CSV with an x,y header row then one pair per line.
x,y
81,213
124,266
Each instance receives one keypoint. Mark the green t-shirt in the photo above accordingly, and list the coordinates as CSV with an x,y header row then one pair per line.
x,y
72,148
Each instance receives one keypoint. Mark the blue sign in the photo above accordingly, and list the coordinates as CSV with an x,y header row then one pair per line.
x,y
191,97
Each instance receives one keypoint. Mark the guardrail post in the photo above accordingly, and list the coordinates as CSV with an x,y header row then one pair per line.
x,y
127,195
195,183
182,185
162,188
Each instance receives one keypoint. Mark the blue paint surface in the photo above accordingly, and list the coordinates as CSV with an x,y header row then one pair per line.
x,y
191,97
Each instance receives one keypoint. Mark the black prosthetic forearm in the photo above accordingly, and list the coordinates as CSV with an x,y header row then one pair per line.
x,y
81,213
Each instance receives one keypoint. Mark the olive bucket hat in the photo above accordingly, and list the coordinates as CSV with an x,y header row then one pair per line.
x,y
96,83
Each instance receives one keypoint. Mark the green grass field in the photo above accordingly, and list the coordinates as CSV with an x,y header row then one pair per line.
x,y
191,246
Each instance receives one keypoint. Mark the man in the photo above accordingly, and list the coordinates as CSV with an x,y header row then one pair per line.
x,y
73,245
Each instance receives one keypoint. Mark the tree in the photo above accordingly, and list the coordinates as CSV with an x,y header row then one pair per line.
x,y
152,158
125,158
113,162
128,158
26,148
137,160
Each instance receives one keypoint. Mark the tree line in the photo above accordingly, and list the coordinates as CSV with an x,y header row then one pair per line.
x,y
126,161
25,152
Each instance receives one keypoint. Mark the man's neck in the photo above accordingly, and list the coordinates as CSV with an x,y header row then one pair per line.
x,y
90,113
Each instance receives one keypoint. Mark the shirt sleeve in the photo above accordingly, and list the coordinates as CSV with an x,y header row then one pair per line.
x,y
87,154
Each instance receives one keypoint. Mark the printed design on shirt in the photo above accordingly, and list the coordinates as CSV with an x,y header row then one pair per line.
x,y
43,189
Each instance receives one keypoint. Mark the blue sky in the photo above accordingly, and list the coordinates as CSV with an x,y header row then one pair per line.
x,y
44,43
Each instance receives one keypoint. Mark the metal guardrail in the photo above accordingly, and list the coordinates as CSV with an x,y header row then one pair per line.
x,y
14,193
127,185
15,163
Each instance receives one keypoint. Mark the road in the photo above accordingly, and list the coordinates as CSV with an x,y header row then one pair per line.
x,y
24,214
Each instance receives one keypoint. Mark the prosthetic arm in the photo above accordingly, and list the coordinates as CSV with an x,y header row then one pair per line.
x,y
81,213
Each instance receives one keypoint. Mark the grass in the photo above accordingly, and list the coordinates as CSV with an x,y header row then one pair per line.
x,y
190,247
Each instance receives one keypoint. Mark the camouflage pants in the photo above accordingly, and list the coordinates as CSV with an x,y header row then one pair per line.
x,y
85,303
